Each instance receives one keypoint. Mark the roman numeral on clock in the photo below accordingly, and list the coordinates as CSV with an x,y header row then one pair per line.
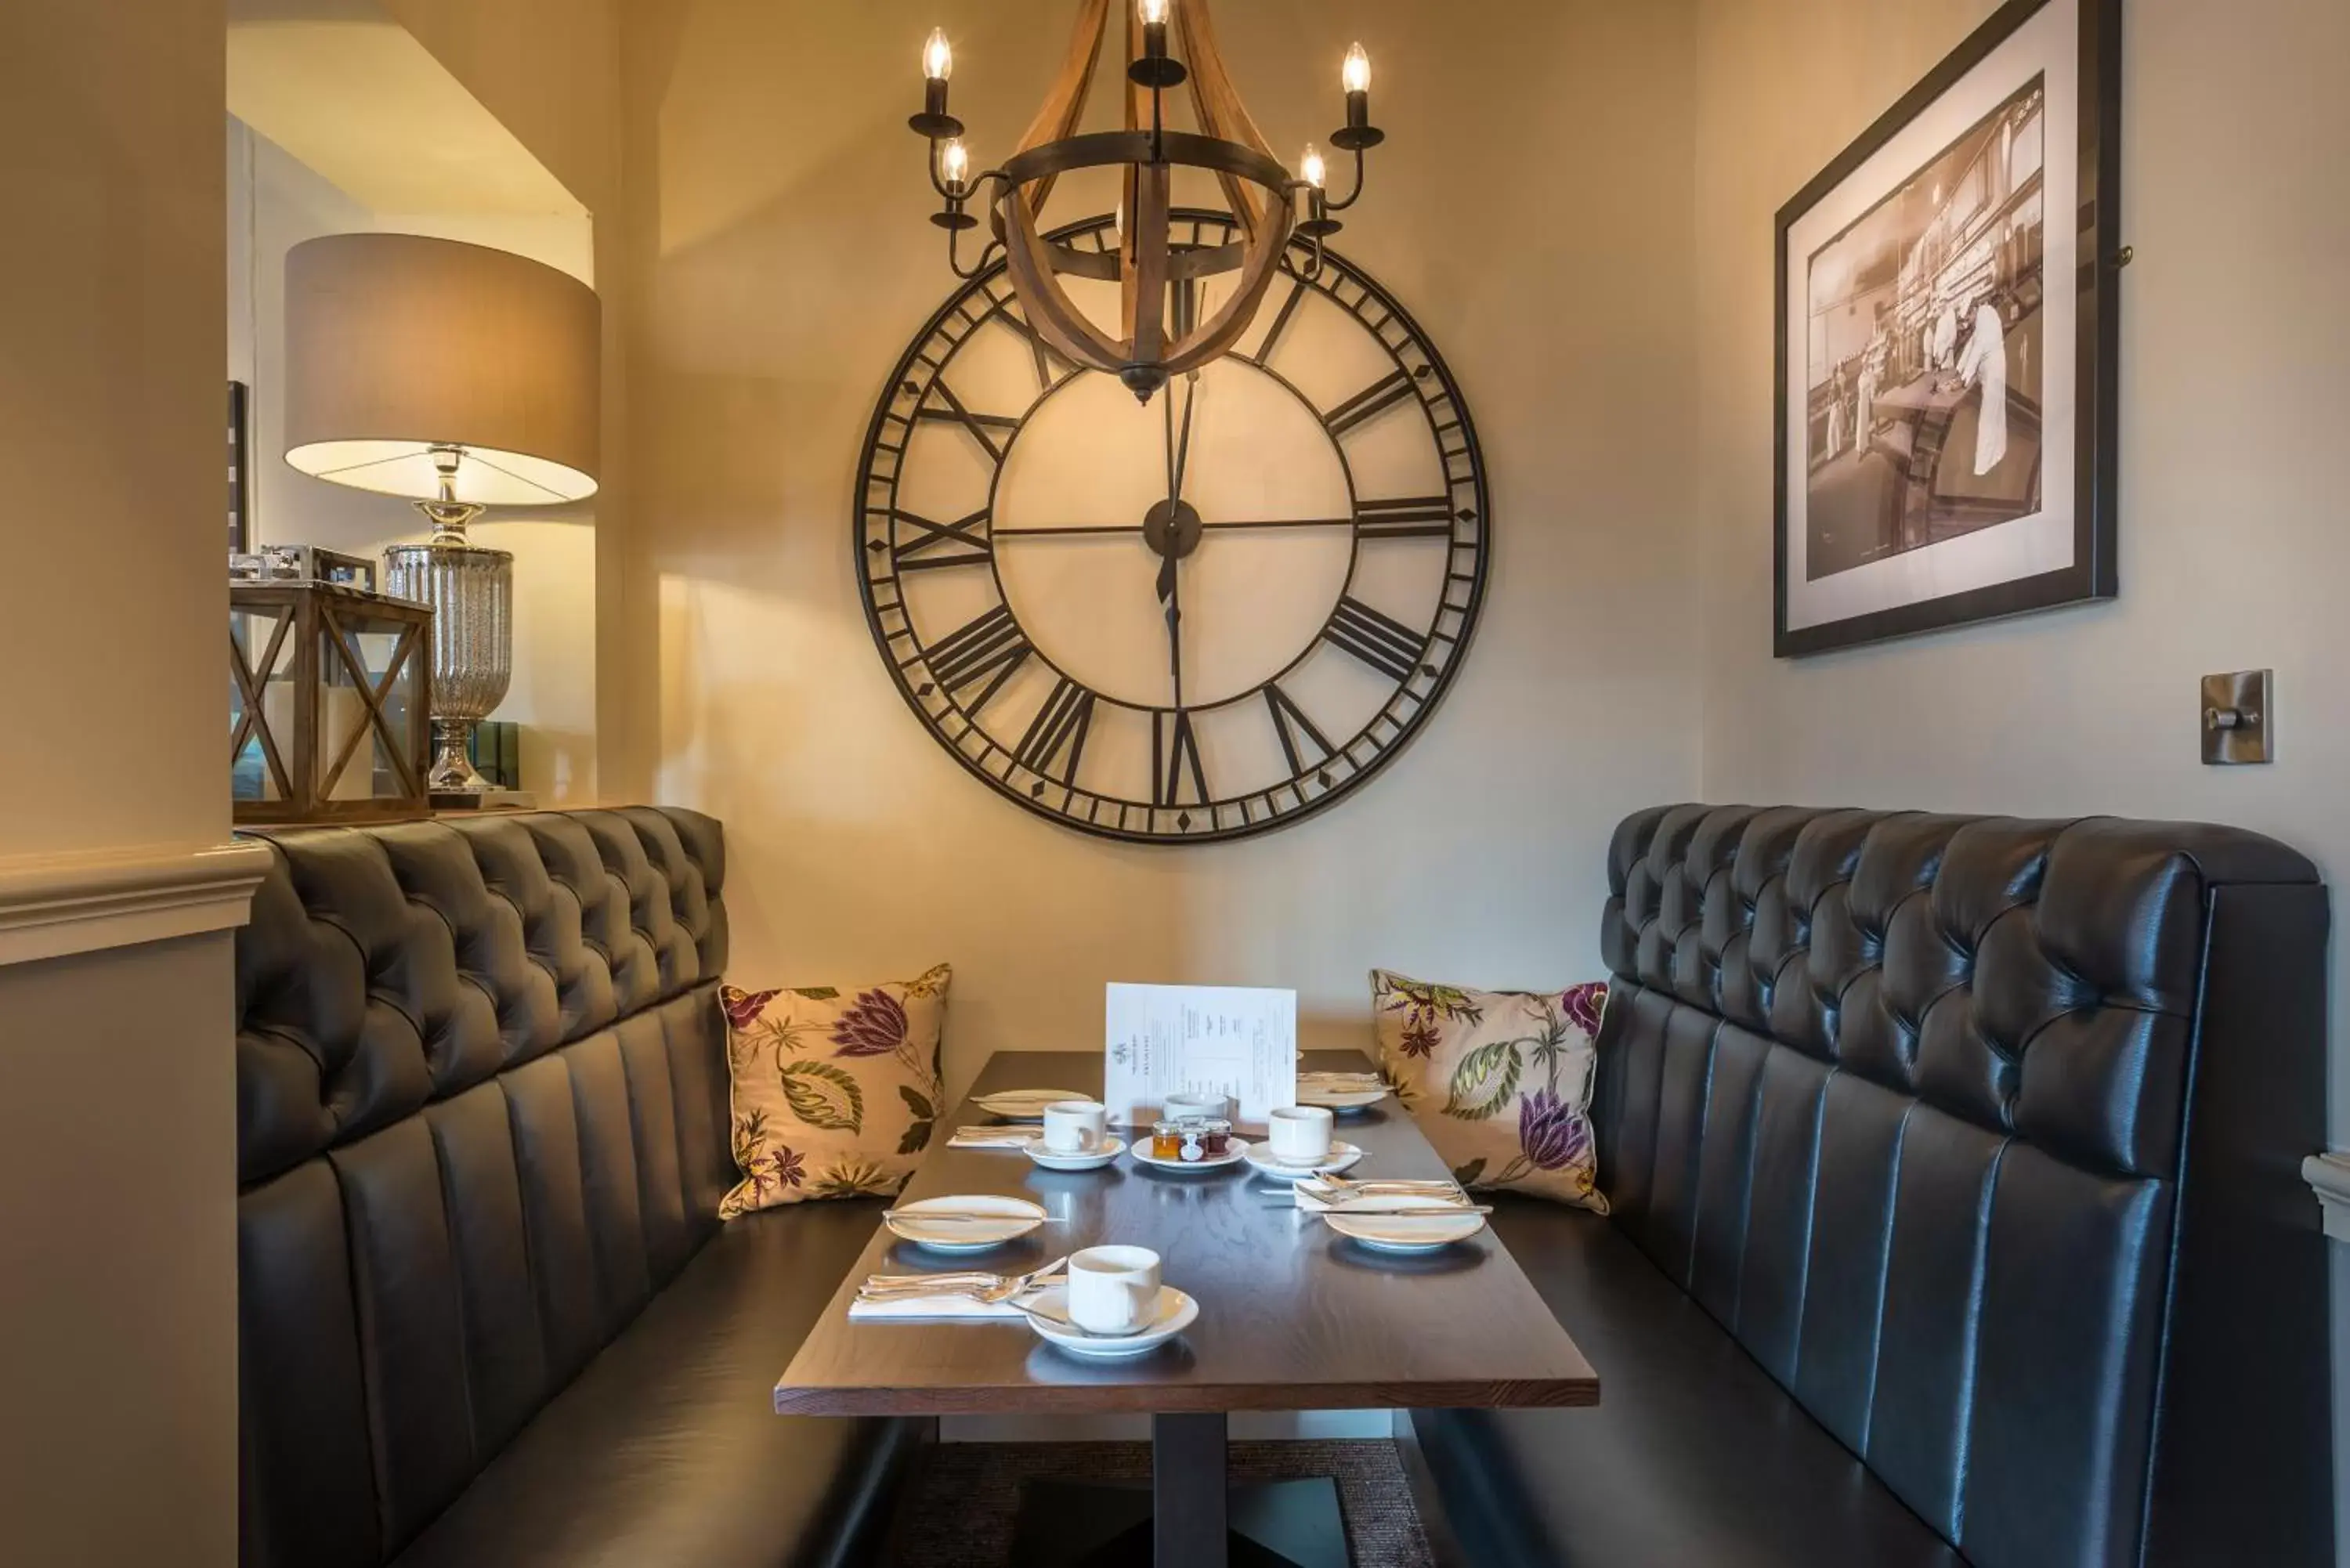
x,y
1174,753
1055,740
1182,308
1296,730
1384,643
1050,366
1281,318
991,648
1406,517
961,543
979,425
1380,394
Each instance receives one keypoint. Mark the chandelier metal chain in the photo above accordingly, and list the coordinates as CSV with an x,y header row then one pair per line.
x,y
1263,196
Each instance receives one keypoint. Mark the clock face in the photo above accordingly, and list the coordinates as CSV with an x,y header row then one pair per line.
x,y
1189,621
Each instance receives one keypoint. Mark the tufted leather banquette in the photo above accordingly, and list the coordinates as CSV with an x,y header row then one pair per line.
x,y
487,1314
1954,1215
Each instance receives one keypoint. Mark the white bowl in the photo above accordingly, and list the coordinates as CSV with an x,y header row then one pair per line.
x,y
1053,1159
990,1222
1176,1314
1264,1162
1234,1152
1024,1105
1407,1224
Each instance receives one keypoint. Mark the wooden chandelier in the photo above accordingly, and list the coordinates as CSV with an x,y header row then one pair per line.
x,y
1154,341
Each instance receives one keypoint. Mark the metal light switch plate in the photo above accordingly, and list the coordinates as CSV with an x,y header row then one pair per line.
x,y
2235,718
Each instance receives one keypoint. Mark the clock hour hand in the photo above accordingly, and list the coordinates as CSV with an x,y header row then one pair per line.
x,y
1171,596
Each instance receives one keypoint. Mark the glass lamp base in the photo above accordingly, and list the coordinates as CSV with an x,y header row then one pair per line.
x,y
453,771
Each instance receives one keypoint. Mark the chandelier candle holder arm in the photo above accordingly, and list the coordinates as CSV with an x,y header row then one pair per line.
x,y
1153,340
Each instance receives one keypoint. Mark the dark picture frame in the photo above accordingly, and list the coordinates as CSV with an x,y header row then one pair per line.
x,y
240,467
1921,272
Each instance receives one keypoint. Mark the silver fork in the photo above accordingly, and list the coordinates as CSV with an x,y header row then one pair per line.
x,y
896,1287
1397,1184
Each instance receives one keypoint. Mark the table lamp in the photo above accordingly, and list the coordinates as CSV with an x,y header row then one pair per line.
x,y
460,377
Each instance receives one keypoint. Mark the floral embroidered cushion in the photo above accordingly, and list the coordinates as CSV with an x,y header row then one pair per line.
x,y
835,1093
1500,1081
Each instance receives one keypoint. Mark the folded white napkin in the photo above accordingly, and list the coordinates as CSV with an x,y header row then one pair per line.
x,y
991,1137
920,1309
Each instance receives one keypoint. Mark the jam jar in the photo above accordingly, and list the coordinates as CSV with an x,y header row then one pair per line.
x,y
1214,1136
1167,1140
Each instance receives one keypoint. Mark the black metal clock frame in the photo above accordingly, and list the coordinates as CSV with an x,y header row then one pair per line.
x,y
948,681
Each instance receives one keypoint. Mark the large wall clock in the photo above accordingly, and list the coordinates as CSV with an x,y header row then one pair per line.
x,y
1189,620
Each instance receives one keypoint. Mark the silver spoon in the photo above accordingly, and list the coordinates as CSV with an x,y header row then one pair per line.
x,y
897,1287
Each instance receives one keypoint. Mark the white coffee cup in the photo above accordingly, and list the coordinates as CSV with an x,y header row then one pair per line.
x,y
1075,1127
1114,1289
1197,1103
1299,1133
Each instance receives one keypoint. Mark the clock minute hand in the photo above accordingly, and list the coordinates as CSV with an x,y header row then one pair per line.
x,y
1181,461
1170,597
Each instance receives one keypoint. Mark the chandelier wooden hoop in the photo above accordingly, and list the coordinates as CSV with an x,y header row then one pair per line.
x,y
1158,335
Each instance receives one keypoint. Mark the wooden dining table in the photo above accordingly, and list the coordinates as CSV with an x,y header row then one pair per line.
x,y
1293,1316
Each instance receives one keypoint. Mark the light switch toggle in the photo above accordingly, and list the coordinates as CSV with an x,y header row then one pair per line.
x,y
2235,718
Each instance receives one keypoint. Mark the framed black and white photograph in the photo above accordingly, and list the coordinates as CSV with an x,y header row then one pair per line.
x,y
1947,342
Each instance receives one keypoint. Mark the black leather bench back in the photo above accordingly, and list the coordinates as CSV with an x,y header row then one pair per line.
x,y
481,1117
1980,1135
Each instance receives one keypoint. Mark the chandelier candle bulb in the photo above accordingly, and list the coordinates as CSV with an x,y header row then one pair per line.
x,y
1153,68
937,65
1310,168
1355,76
954,165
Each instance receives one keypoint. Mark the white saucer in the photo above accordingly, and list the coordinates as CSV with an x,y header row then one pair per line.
x,y
1309,1093
1442,1225
1176,1313
1006,1219
1263,1161
1111,1147
1024,1105
1234,1152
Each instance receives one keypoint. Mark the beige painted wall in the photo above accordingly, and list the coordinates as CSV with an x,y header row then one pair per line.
x,y
2235,538
118,1332
551,71
275,202
784,262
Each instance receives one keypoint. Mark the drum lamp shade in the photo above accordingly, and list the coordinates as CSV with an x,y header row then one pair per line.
x,y
396,343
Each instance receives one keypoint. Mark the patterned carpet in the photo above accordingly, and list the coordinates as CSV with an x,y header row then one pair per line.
x,y
962,1513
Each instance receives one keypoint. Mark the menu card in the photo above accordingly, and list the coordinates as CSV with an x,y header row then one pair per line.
x,y
1239,1041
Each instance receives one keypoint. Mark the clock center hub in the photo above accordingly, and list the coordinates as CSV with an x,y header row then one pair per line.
x,y
1172,532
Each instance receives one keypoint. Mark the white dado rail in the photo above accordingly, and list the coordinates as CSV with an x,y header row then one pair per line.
x,y
2330,1175
53,905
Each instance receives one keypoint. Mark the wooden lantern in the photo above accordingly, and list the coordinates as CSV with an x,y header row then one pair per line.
x,y
329,703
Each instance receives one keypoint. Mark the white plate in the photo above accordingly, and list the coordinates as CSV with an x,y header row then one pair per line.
x,y
1024,1105
1234,1152
1312,1094
1441,1225
1110,1149
1262,1160
1006,1220
1176,1313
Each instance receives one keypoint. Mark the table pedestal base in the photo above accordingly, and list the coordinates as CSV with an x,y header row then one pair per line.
x,y
1186,1518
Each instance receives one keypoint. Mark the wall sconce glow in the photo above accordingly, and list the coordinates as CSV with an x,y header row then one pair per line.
x,y
938,56
1310,167
1355,76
